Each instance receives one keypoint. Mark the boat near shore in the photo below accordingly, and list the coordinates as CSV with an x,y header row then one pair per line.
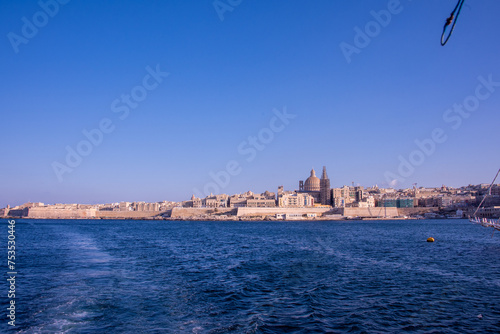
x,y
495,223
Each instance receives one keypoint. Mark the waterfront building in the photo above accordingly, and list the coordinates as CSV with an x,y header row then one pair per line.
x,y
268,195
237,202
264,200
344,192
211,202
368,202
405,203
249,199
195,202
444,201
296,200
495,190
216,201
360,205
396,202
125,206
339,202
492,200
492,212
355,194
261,203
350,195
293,216
387,203
282,192
142,206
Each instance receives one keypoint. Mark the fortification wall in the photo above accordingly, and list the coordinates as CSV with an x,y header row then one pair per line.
x,y
182,213
51,213
252,212
15,212
371,212
59,213
186,213
128,214
417,211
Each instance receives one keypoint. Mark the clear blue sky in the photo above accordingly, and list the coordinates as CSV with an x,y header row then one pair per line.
x,y
225,79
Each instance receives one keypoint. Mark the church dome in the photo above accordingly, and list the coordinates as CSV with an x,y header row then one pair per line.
x,y
312,183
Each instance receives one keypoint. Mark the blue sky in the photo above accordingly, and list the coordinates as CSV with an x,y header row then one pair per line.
x,y
226,81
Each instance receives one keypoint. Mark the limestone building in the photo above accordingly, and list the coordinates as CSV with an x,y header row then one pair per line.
x,y
324,188
295,200
318,188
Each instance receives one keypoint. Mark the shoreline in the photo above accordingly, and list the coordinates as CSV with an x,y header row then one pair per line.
x,y
240,219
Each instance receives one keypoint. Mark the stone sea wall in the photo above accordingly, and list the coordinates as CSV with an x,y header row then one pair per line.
x,y
183,213
371,212
60,213
217,213
128,214
251,212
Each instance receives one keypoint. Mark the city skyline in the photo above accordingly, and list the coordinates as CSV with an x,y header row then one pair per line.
x,y
314,199
261,92
317,189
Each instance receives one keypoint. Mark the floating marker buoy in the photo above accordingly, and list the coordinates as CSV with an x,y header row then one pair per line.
x,y
431,239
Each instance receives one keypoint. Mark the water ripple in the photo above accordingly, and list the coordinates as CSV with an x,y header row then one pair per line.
x,y
259,277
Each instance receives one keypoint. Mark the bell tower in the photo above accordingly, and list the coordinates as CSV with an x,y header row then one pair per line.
x,y
324,184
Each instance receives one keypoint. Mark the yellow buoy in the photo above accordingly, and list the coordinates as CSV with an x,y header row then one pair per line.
x,y
431,239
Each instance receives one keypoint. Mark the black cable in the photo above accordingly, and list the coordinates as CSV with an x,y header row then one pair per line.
x,y
457,9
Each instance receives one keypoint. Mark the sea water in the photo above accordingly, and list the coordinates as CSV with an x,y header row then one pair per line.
x,y
124,276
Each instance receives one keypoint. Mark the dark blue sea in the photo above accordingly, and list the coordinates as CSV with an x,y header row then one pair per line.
x,y
97,276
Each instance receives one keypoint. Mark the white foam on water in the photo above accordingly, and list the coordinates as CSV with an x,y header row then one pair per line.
x,y
87,249
56,326
197,329
79,315
63,305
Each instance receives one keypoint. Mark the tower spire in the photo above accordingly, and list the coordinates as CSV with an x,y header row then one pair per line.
x,y
324,183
